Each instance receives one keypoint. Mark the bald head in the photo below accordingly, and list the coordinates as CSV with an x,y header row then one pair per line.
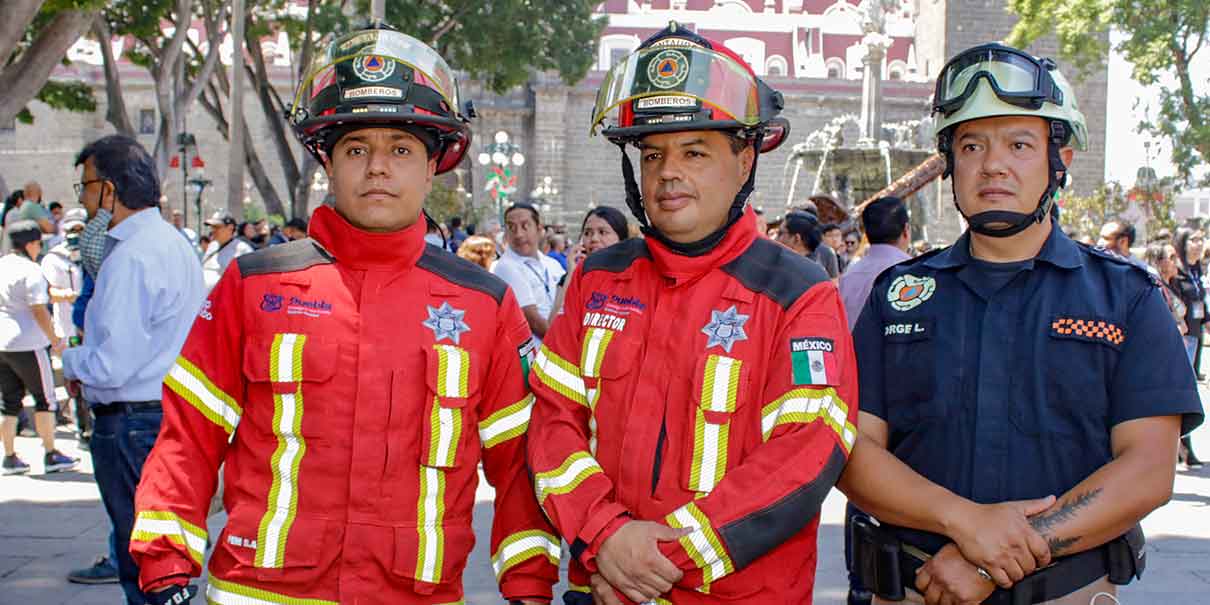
x,y
33,191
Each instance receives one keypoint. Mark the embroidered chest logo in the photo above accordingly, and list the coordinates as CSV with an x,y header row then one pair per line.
x,y
1092,330
446,322
271,303
725,328
205,312
308,308
813,361
908,292
620,305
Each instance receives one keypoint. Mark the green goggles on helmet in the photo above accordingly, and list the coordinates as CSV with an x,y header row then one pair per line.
x,y
1016,77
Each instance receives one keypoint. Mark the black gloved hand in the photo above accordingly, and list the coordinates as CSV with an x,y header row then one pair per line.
x,y
177,595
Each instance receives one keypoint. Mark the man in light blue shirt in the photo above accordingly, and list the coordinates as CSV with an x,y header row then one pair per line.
x,y
148,292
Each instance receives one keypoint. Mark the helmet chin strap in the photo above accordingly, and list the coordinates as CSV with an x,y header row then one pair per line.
x,y
1017,222
634,200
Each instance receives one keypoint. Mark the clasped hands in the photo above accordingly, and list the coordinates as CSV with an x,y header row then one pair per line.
x,y
997,538
630,562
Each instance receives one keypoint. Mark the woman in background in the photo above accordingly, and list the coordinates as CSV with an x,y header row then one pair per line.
x,y
603,226
479,250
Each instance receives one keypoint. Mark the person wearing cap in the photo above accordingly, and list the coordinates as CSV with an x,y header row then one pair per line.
x,y
26,333
697,395
368,374
61,266
225,246
1020,393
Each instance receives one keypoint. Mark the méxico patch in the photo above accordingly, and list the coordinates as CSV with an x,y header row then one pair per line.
x,y
813,361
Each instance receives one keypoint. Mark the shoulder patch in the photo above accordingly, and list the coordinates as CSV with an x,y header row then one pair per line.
x,y
618,257
776,272
1118,259
461,272
284,258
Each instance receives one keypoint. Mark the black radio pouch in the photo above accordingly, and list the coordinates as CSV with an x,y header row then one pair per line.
x,y
1127,557
876,560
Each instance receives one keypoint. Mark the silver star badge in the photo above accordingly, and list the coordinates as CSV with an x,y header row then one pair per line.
x,y
446,322
725,328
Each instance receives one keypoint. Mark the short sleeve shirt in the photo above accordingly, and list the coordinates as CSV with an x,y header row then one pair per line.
x,y
1010,393
22,287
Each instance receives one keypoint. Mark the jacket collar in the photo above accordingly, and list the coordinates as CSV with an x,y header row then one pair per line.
x,y
681,268
1059,250
362,249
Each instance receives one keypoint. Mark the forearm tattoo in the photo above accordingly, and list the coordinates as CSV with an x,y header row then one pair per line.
x,y
1047,522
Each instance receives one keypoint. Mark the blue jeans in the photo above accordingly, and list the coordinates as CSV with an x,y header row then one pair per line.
x,y
121,442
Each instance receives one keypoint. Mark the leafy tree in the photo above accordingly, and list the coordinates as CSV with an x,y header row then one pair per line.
x,y
1163,37
1085,214
34,37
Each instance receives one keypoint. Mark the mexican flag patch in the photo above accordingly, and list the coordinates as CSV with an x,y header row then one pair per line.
x,y
813,361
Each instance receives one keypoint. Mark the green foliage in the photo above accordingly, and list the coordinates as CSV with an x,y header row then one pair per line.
x,y
1085,214
254,212
443,202
1163,38
69,96
501,41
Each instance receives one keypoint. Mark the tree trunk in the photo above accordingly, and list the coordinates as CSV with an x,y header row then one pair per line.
x,y
256,169
167,74
115,106
17,16
22,79
273,115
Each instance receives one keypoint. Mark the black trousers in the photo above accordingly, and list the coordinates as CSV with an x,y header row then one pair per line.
x,y
22,371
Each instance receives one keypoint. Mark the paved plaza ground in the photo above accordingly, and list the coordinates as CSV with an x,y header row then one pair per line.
x,y
50,524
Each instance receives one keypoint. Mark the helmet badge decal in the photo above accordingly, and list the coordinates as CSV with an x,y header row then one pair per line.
x,y
668,69
908,292
373,68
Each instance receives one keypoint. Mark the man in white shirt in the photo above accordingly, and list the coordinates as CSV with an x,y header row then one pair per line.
x,y
62,269
533,276
224,247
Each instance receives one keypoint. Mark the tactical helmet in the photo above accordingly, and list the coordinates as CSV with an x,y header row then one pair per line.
x,y
994,80
382,77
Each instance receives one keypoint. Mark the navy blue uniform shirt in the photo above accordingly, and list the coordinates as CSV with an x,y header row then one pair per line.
x,y
1006,388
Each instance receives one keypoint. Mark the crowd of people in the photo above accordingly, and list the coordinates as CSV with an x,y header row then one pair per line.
x,y
673,399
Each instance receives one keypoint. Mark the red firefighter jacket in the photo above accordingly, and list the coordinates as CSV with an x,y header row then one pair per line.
x,y
350,384
716,393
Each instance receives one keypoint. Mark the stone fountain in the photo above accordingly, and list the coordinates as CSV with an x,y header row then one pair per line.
x,y
855,157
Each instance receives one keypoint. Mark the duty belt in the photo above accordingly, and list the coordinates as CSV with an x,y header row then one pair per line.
x,y
876,550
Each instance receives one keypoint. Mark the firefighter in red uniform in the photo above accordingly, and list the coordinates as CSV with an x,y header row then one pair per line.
x,y
697,396
351,383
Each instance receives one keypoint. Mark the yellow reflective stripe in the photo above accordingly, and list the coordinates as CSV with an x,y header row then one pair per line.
x,y
574,470
520,546
192,385
285,365
577,588
506,423
596,340
430,514
445,426
152,524
453,371
804,406
703,545
720,391
559,375
223,592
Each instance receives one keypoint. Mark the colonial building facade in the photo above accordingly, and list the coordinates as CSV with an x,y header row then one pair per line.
x,y
811,50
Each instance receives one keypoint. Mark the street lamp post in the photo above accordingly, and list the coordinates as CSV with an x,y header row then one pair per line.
x,y
186,144
546,193
501,154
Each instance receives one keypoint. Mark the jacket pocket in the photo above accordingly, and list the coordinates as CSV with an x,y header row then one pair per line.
x,y
285,368
447,422
719,389
910,372
432,554
607,364
278,546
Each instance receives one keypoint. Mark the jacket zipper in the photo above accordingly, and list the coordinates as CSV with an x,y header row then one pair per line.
x,y
659,457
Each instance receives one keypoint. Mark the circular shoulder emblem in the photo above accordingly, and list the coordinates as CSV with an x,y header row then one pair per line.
x,y
908,292
668,68
373,68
